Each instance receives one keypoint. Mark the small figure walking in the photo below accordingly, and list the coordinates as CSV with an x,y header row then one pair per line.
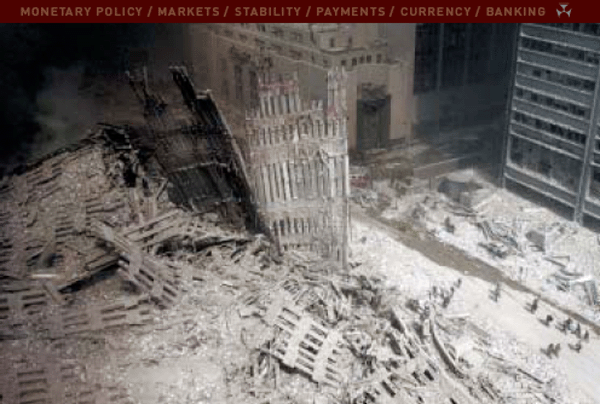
x,y
521,274
556,349
496,292
550,350
564,326
548,320
446,301
534,305
586,336
576,347
568,324
577,331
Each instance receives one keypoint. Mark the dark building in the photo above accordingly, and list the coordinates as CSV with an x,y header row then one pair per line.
x,y
552,143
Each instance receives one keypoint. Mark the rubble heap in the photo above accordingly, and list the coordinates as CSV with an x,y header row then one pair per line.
x,y
102,274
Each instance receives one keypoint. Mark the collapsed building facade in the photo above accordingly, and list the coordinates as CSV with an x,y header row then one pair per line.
x,y
299,165
552,137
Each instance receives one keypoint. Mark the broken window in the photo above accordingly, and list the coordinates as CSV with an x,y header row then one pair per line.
x,y
332,42
549,128
343,62
558,78
594,190
560,50
555,168
591,29
565,106
368,58
354,61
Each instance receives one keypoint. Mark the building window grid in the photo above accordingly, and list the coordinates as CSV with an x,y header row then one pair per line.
x,y
563,79
560,50
556,168
577,111
550,128
590,29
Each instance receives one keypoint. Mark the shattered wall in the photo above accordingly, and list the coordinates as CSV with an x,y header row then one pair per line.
x,y
197,152
299,165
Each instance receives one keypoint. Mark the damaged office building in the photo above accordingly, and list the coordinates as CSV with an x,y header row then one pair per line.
x,y
552,135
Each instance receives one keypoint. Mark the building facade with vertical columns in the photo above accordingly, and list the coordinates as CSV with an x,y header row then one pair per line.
x,y
553,139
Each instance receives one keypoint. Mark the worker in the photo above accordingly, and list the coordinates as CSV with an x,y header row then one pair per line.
x,y
496,292
586,336
556,349
534,305
577,331
548,320
550,350
568,323
446,301
576,347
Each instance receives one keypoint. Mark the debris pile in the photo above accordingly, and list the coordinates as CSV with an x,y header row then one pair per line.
x,y
528,244
348,337
117,264
365,343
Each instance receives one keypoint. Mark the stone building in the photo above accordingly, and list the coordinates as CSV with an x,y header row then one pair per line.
x,y
406,82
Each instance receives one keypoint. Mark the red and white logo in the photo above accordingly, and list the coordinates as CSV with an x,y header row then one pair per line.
x,y
564,9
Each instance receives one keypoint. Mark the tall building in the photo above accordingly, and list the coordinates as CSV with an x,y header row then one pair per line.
x,y
405,81
553,138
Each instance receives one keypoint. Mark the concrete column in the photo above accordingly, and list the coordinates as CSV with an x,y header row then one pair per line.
x,y
505,142
586,170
